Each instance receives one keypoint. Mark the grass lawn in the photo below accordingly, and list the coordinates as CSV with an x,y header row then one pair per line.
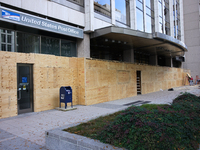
x,y
150,126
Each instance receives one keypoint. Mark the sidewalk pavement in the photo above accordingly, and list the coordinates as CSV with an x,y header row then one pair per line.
x,y
27,131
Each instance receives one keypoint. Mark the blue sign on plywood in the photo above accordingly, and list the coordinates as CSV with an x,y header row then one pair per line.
x,y
24,79
10,15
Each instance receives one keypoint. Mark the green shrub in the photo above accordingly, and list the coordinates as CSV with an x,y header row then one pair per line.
x,y
166,127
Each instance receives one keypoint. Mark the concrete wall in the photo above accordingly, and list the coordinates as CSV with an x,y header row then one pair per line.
x,y
192,36
49,74
50,9
107,80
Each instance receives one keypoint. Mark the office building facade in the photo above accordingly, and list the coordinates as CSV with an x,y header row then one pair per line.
x,y
192,36
104,49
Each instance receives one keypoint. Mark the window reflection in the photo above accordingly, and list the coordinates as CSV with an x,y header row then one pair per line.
x,y
166,17
68,48
139,15
50,46
28,43
122,11
103,7
178,20
79,2
149,16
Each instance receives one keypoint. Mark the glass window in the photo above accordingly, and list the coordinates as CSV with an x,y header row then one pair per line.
x,y
148,3
139,4
3,47
28,43
149,16
166,17
68,48
50,46
3,38
79,2
140,15
102,7
9,48
140,20
7,40
122,11
160,9
148,24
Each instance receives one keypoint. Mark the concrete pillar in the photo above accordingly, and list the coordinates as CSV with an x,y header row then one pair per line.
x,y
168,61
153,60
181,20
113,12
133,15
156,16
128,55
89,16
163,19
83,46
171,18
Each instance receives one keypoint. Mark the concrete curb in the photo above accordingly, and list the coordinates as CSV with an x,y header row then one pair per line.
x,y
59,140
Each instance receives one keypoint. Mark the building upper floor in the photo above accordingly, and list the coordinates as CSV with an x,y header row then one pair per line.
x,y
164,16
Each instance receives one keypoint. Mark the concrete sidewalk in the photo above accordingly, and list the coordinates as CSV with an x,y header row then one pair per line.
x,y
27,131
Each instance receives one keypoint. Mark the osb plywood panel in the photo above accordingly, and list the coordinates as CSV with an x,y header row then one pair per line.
x,y
91,80
49,74
130,90
97,95
97,64
81,81
123,76
106,77
81,95
8,77
116,66
8,59
8,103
101,74
133,77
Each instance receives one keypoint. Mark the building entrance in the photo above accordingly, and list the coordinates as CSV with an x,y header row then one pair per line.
x,y
24,88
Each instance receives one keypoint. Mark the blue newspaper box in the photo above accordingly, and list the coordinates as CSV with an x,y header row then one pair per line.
x,y
66,95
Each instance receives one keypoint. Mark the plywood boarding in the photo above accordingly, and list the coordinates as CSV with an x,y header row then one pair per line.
x,y
49,74
119,79
81,81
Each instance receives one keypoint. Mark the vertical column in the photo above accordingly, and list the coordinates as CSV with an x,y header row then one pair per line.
x,y
156,15
89,15
133,15
171,62
163,18
181,20
171,19
113,11
128,55
156,59
144,14
153,59
83,46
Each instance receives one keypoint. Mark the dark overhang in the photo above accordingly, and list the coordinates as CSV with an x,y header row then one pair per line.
x,y
152,43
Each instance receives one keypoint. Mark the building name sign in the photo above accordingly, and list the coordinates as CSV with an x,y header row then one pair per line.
x,y
40,23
